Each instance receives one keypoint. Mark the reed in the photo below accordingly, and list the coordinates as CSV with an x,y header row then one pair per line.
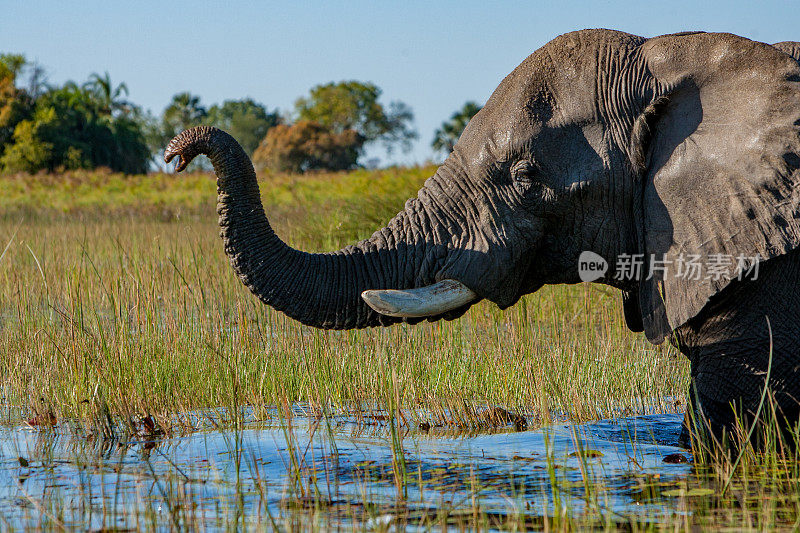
x,y
137,315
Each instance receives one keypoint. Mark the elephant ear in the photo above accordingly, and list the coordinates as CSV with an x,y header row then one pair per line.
x,y
718,152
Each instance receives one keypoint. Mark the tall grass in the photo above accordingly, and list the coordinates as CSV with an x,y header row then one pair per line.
x,y
147,314
118,304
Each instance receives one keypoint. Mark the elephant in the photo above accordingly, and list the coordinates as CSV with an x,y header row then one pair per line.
x,y
654,152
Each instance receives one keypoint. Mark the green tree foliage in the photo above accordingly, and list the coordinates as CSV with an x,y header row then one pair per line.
x,y
354,105
15,103
107,96
76,127
94,124
183,112
246,120
308,145
446,137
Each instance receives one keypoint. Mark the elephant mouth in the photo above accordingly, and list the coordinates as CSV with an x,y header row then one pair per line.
x,y
430,300
451,294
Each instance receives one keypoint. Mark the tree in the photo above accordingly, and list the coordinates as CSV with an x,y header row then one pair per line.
x,y
446,137
354,105
71,128
183,112
108,96
15,103
246,120
308,145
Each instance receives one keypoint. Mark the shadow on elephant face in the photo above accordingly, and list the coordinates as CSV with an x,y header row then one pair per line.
x,y
580,195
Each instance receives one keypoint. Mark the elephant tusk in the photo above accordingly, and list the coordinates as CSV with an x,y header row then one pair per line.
x,y
432,300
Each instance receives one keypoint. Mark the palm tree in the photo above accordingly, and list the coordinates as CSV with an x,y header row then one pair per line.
x,y
108,96
184,112
446,137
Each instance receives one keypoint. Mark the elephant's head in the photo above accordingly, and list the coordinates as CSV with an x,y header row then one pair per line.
x,y
599,141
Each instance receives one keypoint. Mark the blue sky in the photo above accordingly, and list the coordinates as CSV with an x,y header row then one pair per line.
x,y
432,55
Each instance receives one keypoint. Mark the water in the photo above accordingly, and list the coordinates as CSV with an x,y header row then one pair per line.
x,y
315,473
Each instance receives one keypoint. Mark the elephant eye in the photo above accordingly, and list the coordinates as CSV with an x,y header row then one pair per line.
x,y
522,171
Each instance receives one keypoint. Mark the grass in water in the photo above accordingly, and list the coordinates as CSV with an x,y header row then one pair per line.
x,y
119,311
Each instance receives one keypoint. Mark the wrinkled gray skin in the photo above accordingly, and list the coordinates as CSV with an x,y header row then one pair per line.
x,y
600,141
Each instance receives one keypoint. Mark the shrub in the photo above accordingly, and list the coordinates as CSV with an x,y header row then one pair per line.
x,y
308,145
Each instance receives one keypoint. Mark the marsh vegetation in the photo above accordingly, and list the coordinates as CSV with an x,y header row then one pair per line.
x,y
131,349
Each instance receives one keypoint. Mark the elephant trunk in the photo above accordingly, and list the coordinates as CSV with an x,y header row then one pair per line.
x,y
321,290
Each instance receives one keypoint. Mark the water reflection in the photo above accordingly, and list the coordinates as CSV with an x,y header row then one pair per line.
x,y
267,473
